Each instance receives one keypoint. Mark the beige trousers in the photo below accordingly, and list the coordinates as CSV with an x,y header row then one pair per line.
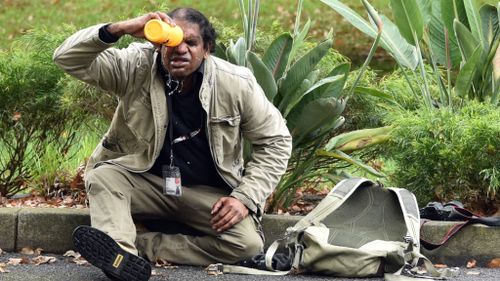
x,y
116,195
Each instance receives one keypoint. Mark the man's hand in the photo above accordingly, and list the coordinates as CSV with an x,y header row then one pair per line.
x,y
135,26
226,212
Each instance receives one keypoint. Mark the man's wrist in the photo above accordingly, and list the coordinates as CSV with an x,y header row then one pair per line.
x,y
106,36
115,29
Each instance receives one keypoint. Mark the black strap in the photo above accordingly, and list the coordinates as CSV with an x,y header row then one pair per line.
x,y
176,89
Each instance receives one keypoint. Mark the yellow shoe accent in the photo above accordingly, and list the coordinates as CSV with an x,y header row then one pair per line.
x,y
118,261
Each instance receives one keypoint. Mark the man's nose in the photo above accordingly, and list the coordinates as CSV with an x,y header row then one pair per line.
x,y
181,48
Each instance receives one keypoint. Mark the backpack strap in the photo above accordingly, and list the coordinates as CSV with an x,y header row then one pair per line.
x,y
412,255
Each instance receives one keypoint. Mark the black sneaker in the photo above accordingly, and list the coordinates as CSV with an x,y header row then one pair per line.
x,y
103,252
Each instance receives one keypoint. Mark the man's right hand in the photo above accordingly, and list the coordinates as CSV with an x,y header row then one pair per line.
x,y
135,26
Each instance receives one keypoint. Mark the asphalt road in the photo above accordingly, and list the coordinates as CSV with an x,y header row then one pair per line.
x,y
64,270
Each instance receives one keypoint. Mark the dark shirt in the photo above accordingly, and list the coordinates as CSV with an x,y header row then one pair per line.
x,y
192,156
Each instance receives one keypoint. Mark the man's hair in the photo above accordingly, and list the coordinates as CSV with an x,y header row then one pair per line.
x,y
207,31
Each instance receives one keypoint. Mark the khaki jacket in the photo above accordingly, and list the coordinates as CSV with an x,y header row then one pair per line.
x,y
233,101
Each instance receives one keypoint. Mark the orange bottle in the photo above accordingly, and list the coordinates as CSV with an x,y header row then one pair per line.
x,y
160,32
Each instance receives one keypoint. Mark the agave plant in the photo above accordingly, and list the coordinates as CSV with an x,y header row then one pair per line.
x,y
312,105
455,33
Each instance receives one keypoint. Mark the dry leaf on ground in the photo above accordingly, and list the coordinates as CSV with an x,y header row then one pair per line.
x,y
75,257
473,272
440,265
29,251
164,264
3,268
472,263
43,260
18,261
494,263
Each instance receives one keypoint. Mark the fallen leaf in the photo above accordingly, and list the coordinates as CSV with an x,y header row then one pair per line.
x,y
2,268
18,261
494,263
164,264
29,251
440,265
71,253
472,263
472,272
43,260
76,258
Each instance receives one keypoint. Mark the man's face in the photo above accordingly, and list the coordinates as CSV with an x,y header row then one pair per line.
x,y
183,60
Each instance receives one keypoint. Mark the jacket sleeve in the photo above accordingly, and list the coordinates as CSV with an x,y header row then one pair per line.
x,y
86,57
263,125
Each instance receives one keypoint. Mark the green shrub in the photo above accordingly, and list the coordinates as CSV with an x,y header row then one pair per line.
x,y
32,114
444,154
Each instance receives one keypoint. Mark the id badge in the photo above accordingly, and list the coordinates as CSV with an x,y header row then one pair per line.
x,y
172,181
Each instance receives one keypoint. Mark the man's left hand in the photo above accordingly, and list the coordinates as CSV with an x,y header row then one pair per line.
x,y
226,212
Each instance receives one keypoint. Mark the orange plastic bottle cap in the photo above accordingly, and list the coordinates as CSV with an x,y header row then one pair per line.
x,y
160,32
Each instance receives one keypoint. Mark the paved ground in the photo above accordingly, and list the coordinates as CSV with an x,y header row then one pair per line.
x,y
63,270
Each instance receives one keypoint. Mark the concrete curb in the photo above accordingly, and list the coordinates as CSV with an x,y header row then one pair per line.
x,y
51,229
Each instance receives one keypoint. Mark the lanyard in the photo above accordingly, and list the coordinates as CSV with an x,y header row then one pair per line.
x,y
176,89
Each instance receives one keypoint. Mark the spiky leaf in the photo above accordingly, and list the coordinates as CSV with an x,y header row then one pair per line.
x,y
277,55
391,40
299,70
408,19
312,116
263,75
466,41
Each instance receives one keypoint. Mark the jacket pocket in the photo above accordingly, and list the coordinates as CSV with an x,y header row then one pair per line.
x,y
105,152
139,119
226,136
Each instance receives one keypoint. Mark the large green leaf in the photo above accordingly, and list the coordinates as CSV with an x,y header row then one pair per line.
x,y
441,34
292,102
391,40
408,19
425,7
263,75
356,140
301,69
236,52
466,41
312,116
334,87
298,41
337,154
467,73
489,21
472,9
277,55
375,93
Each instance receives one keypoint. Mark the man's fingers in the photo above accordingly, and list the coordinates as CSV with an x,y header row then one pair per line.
x,y
222,211
164,17
216,207
234,220
227,221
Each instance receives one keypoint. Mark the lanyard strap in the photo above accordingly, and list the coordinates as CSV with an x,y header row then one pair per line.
x,y
173,141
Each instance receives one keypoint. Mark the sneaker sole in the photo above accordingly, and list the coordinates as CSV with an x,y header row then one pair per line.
x,y
102,251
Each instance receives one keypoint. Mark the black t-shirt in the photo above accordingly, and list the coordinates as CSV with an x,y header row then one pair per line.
x,y
192,156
